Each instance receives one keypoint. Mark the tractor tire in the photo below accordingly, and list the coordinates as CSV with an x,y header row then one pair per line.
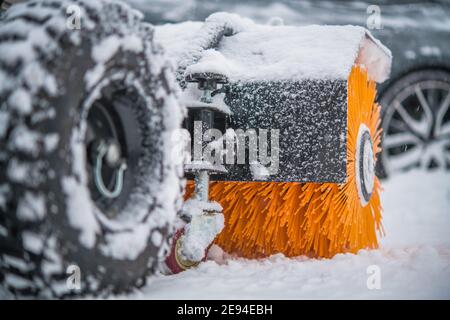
x,y
74,74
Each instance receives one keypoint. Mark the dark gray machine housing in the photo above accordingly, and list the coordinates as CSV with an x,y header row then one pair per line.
x,y
311,117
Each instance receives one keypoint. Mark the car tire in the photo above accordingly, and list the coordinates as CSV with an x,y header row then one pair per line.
x,y
416,133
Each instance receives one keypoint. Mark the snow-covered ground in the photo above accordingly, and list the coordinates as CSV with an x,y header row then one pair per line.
x,y
413,261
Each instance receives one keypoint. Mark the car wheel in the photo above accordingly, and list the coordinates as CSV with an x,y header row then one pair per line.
x,y
416,123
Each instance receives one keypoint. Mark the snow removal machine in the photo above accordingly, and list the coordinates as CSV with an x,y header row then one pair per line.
x,y
128,149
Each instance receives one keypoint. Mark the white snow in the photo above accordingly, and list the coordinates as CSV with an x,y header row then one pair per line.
x,y
25,140
211,61
35,77
18,171
3,232
127,245
286,52
43,115
94,75
32,242
259,171
31,207
266,52
107,48
52,263
20,100
18,282
156,238
79,211
51,141
30,141
413,260
177,37
132,43
421,203
16,263
203,228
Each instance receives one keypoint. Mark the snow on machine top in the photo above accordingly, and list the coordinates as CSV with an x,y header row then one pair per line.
x,y
245,51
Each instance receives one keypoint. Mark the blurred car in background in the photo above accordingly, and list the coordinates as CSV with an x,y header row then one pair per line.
x,y
415,100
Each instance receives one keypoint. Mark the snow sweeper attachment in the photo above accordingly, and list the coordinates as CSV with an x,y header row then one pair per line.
x,y
294,167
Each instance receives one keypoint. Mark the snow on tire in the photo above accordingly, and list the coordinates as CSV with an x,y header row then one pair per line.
x,y
62,90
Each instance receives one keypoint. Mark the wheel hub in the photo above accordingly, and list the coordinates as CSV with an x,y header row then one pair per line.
x,y
364,165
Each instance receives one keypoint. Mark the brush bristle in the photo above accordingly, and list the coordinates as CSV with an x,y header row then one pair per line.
x,y
313,219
